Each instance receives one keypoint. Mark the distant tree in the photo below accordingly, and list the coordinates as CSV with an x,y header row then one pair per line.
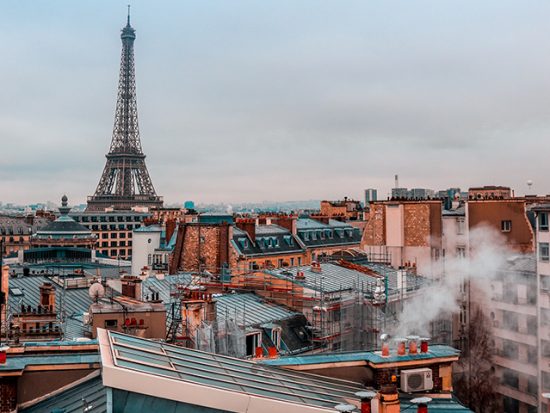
x,y
476,383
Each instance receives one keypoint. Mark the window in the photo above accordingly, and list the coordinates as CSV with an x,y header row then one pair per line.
x,y
292,262
543,221
276,337
532,385
111,323
299,261
279,262
113,234
544,251
510,378
253,341
460,226
506,226
461,251
510,350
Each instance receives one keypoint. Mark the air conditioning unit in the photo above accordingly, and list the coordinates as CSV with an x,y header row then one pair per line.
x,y
416,380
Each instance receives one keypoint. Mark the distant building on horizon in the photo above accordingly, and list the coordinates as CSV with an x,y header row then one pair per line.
x,y
371,195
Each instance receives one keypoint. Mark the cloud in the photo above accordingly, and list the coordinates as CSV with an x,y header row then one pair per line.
x,y
278,100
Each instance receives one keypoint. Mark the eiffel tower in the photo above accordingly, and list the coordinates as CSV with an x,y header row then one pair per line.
x,y
125,182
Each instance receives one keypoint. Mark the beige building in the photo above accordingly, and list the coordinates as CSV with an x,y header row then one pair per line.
x,y
113,230
543,310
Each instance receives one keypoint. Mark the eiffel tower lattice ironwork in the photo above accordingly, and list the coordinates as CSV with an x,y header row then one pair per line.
x,y
125,182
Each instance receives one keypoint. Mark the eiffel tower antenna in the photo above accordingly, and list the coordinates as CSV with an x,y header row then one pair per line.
x,y
125,182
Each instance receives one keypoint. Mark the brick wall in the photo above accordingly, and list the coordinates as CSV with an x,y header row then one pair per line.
x,y
375,229
8,394
203,247
417,225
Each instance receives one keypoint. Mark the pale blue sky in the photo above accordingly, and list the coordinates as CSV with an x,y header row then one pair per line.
x,y
266,100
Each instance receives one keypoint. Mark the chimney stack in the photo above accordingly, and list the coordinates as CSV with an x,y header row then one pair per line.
x,y
248,225
131,286
288,222
316,267
422,404
366,397
47,297
389,399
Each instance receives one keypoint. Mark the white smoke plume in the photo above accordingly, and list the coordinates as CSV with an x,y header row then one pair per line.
x,y
486,254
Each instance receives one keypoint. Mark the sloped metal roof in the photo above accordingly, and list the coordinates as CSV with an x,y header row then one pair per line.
x,y
91,394
219,372
249,310
334,278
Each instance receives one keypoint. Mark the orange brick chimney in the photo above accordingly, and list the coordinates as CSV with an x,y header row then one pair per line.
x,y
248,225
47,297
288,222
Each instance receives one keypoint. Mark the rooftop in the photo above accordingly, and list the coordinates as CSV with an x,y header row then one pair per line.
x,y
249,309
71,399
369,357
334,278
214,381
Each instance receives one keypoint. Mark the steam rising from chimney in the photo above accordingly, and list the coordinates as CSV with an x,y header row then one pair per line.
x,y
487,254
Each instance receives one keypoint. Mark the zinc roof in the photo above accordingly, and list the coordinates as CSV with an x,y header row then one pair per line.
x,y
91,393
334,278
249,310
227,373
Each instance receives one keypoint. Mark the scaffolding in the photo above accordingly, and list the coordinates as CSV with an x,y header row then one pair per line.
x,y
348,318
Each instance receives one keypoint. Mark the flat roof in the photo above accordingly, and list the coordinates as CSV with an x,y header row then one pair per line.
x,y
372,357
20,362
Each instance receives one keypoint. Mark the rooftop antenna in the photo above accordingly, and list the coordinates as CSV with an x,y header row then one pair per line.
x,y
397,181
128,14
529,185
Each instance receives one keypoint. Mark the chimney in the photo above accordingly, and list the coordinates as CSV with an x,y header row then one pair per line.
x,y
366,397
288,222
248,225
413,344
131,286
316,267
421,404
389,399
47,297
424,344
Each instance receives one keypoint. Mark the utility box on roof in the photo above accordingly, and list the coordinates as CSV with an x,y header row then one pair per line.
x,y
416,380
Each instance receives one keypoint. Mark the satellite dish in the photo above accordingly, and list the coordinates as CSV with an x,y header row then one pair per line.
x,y
96,292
